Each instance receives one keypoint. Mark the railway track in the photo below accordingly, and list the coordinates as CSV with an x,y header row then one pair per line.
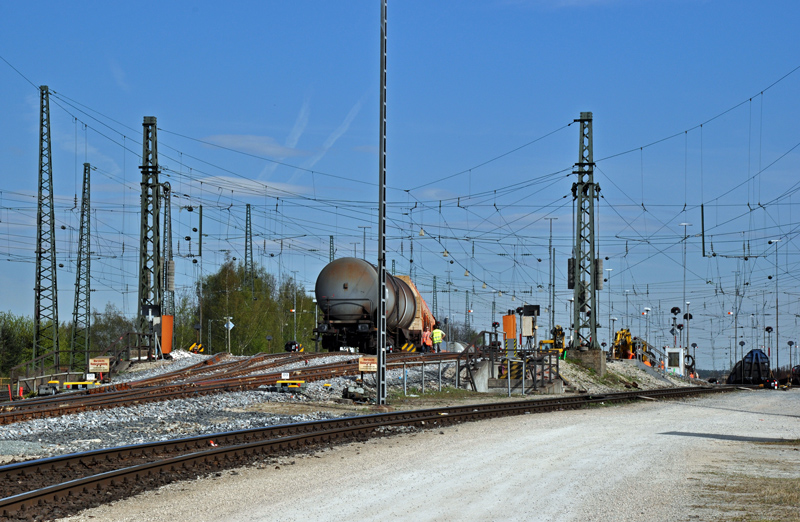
x,y
201,379
59,486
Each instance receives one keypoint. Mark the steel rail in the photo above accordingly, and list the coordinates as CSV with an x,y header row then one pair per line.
x,y
77,402
233,445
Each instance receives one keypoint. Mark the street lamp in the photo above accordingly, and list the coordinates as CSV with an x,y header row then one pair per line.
x,y
646,325
611,343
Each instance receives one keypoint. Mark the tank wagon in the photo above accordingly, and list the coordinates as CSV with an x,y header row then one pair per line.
x,y
347,294
752,369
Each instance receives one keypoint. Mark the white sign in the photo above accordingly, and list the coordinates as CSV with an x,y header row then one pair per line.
x,y
229,325
284,376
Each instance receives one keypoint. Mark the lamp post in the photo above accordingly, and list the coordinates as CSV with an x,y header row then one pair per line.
x,y
646,325
611,343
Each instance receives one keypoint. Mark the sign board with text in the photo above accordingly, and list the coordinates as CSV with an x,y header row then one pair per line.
x,y
99,364
368,363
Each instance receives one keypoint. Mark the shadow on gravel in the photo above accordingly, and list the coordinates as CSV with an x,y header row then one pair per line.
x,y
723,437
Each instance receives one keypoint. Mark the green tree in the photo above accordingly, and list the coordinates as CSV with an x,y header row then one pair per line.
x,y
257,310
184,320
108,328
16,341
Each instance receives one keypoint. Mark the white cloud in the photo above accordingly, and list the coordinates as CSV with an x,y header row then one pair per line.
x,y
294,136
260,145
119,76
331,140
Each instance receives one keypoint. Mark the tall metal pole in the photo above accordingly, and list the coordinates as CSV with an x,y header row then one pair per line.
x,y
150,270
585,191
45,309
168,307
551,282
777,358
610,331
364,241
294,282
435,300
380,376
81,311
249,275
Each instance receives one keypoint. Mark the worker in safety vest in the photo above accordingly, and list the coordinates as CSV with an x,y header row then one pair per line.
x,y
437,335
426,340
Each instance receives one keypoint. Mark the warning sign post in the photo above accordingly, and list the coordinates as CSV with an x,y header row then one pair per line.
x,y
368,363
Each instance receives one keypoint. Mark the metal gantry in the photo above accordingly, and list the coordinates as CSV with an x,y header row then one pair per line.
x,y
585,191
249,273
45,309
435,299
81,311
150,269
380,376
168,307
466,312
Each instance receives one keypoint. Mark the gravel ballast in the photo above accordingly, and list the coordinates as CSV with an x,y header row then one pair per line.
x,y
640,462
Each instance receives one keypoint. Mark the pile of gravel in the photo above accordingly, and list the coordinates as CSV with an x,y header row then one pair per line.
x,y
583,380
145,370
147,423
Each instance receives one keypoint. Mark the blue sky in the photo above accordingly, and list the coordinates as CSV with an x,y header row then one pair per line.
x,y
276,104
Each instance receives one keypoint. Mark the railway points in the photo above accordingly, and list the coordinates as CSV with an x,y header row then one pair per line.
x,y
155,414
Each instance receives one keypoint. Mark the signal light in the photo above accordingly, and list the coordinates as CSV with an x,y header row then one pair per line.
x,y
495,325
291,310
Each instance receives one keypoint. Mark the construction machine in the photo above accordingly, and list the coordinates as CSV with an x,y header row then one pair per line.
x,y
557,341
623,345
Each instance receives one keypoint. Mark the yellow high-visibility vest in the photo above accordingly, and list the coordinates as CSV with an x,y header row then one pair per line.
x,y
437,336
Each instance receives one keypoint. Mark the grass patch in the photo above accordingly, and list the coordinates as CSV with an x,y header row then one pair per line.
x,y
756,498
791,442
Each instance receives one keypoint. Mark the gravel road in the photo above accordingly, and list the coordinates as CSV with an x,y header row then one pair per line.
x,y
641,462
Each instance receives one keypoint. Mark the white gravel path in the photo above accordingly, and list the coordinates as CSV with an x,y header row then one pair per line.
x,y
641,462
